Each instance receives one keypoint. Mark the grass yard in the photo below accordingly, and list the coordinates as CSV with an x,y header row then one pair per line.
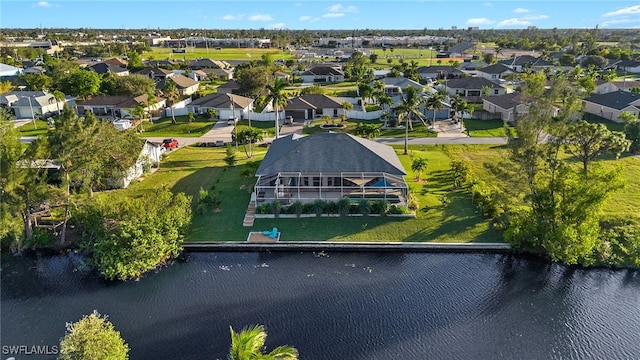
x,y
164,128
223,54
611,125
190,168
41,128
485,128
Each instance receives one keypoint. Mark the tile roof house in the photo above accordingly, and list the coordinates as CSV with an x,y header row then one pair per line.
x,y
322,74
310,106
329,166
610,105
472,87
117,106
186,86
225,104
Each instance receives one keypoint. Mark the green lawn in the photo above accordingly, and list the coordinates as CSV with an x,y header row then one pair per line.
x,y
41,128
223,54
164,128
485,128
187,169
611,125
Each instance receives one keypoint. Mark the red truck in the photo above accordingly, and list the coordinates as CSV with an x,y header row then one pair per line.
x,y
170,144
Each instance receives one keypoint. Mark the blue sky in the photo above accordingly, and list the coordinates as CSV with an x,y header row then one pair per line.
x,y
313,14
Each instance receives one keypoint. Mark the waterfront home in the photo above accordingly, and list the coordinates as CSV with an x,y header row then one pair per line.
x,y
329,166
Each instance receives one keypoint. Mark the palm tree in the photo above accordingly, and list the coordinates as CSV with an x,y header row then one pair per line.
x,y
151,98
417,166
279,98
410,105
435,103
171,92
346,106
249,343
138,112
458,105
59,96
385,101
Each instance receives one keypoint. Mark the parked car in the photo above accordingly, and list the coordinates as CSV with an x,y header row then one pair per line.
x,y
232,120
288,120
170,144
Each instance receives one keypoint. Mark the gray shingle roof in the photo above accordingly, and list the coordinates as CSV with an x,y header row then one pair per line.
x,y
313,101
506,101
615,100
323,70
496,69
471,83
222,101
329,153
526,60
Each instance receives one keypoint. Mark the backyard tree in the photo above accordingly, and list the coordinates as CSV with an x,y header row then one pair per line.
x,y
93,337
418,165
249,343
190,119
632,131
230,156
81,83
459,172
246,137
586,141
346,106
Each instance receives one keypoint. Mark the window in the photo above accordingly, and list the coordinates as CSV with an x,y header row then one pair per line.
x,y
335,112
330,181
496,91
305,181
316,181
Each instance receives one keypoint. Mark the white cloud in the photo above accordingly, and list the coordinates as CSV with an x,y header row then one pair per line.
x,y
534,17
626,22
631,10
44,4
339,8
260,17
308,18
479,21
487,4
279,25
513,22
521,11
297,4
333,15
233,17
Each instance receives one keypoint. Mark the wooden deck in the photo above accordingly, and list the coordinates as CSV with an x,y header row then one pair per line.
x,y
257,237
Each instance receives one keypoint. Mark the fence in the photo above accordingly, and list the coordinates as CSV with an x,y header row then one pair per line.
x,y
179,108
268,116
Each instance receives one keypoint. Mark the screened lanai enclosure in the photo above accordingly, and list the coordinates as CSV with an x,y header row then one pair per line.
x,y
308,187
330,166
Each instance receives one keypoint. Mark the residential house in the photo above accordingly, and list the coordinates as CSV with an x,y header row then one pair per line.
x,y
228,87
630,66
156,73
603,87
208,63
394,86
627,84
8,70
461,50
186,86
165,64
472,88
439,72
218,74
104,67
311,106
505,106
322,74
227,105
520,63
34,70
495,72
611,105
41,104
281,75
150,156
118,106
329,166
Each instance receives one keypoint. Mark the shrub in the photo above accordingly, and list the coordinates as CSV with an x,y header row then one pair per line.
x,y
484,198
380,207
276,208
263,209
330,207
296,208
364,207
318,207
396,210
307,208
413,204
343,206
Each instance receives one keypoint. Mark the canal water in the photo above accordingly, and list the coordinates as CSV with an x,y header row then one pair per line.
x,y
335,306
